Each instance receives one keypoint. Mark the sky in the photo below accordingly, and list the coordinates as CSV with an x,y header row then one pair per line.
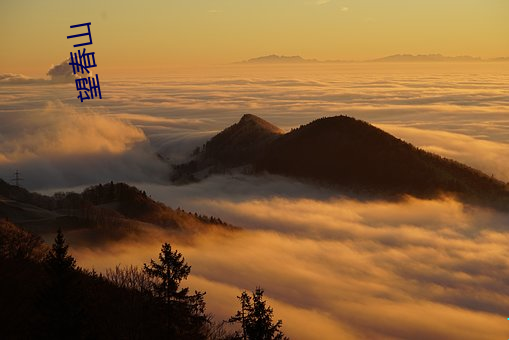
x,y
134,36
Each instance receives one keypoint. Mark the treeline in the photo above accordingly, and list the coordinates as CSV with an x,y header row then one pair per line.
x,y
44,294
203,218
116,208
131,202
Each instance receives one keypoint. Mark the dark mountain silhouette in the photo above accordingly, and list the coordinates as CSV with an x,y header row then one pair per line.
x,y
115,208
350,155
233,147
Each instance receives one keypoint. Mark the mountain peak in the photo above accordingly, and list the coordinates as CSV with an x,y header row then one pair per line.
x,y
254,122
238,145
279,59
346,153
241,142
249,117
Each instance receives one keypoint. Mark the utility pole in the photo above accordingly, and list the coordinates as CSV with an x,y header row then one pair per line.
x,y
17,178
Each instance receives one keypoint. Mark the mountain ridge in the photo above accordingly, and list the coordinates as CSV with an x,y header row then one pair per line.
x,y
352,156
116,208
278,59
401,58
233,147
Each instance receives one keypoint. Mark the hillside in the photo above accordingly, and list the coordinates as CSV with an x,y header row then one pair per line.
x,y
356,157
44,300
115,208
235,146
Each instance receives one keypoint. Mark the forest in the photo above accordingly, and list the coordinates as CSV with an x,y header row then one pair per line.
x,y
45,294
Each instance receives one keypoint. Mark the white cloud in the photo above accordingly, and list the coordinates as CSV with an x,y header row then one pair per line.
x,y
61,130
69,146
487,156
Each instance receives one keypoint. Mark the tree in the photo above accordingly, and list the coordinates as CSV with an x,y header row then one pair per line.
x,y
16,243
129,277
185,316
61,298
255,317
58,260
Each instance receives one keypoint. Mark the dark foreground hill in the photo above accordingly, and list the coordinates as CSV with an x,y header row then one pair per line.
x,y
45,294
348,154
41,298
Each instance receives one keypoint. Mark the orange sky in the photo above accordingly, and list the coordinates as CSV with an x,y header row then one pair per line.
x,y
133,36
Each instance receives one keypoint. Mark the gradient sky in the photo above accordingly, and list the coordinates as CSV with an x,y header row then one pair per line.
x,y
135,35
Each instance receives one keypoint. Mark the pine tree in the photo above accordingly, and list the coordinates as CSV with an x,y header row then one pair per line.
x,y
241,316
255,317
58,260
184,313
61,298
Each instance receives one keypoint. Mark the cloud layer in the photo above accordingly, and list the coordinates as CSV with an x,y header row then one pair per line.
x,y
420,269
180,111
340,268
67,146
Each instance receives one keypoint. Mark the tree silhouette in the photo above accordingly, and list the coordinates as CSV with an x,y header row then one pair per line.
x,y
185,316
61,300
58,260
255,317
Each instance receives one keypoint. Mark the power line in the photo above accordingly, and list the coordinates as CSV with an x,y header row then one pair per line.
x,y
17,178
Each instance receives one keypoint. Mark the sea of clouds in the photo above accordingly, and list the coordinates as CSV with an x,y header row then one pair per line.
x,y
343,269
457,111
331,266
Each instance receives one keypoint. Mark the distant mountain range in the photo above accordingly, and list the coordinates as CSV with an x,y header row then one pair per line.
x,y
426,58
344,153
277,59
397,58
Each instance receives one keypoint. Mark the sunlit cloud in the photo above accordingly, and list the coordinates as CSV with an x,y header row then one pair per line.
x,y
61,72
60,130
488,156
16,78
70,146
434,269
344,264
